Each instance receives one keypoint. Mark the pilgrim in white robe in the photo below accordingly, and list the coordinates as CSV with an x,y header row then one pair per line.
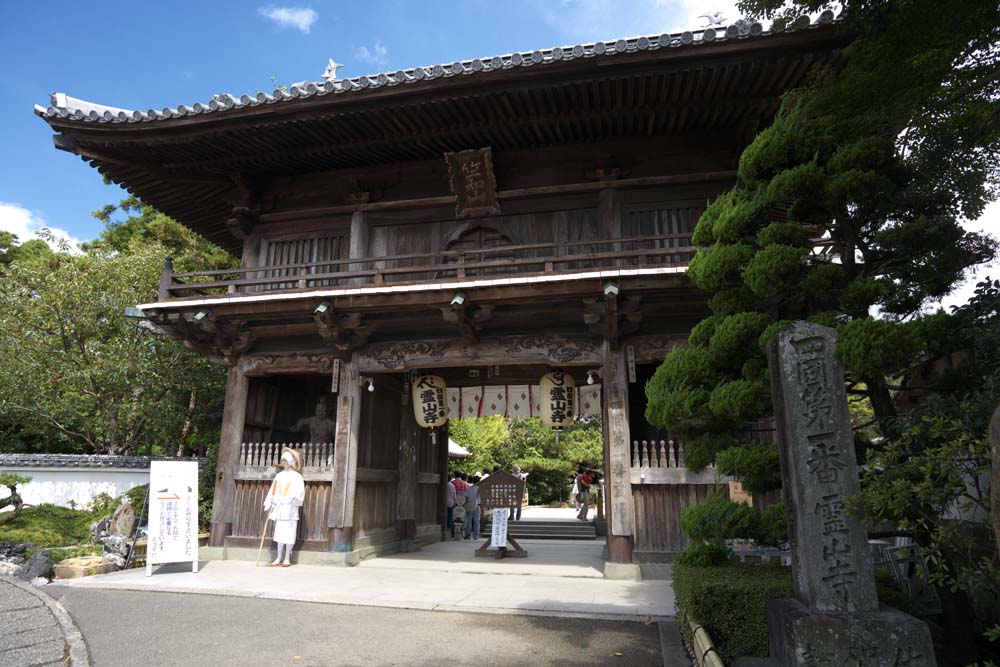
x,y
283,500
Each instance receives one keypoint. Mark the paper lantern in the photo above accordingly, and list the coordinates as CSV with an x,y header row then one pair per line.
x,y
430,401
557,399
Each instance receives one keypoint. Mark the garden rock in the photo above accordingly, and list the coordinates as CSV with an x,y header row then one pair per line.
x,y
12,552
123,520
99,529
40,565
8,568
116,548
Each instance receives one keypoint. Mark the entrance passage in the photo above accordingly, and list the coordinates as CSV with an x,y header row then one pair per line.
x,y
558,545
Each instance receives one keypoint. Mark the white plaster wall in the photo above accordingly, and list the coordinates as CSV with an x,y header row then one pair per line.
x,y
59,486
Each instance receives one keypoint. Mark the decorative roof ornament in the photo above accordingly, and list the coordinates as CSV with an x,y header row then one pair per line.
x,y
713,19
330,73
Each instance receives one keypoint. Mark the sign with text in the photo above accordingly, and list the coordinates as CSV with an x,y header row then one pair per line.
x,y
501,489
499,533
557,399
473,182
430,400
173,513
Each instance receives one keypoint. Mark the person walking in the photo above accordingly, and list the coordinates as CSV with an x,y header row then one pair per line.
x,y
583,482
451,503
515,512
472,509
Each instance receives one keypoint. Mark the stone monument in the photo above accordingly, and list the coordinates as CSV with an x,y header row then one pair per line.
x,y
834,618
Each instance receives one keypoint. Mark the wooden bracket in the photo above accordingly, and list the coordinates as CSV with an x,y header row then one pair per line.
x,y
222,341
342,332
468,318
611,317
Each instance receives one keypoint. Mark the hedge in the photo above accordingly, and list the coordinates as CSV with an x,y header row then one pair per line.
x,y
730,602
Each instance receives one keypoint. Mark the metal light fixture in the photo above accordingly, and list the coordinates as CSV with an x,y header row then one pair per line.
x,y
610,289
458,299
590,377
370,382
322,308
201,314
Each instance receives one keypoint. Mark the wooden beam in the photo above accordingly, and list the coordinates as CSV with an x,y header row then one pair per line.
x,y
360,243
618,484
468,318
406,489
540,349
340,517
233,418
513,193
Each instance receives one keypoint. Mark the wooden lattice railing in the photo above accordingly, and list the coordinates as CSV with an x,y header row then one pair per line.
x,y
555,257
265,454
657,454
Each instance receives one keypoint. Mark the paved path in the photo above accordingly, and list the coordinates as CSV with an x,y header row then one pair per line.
x,y
431,590
126,628
35,631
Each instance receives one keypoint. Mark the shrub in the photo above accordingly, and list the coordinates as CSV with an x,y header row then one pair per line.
x,y
102,504
730,602
705,555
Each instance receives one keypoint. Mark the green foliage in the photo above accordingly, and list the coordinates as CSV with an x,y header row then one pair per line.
x,y
712,554
72,362
754,464
137,494
716,519
10,480
59,554
49,526
496,441
102,504
730,602
869,346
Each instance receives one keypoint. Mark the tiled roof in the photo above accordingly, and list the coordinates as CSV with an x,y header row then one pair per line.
x,y
69,108
82,461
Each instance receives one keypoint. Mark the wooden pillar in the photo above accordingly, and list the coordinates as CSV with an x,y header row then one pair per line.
x,y
359,243
340,518
617,486
441,435
406,490
233,417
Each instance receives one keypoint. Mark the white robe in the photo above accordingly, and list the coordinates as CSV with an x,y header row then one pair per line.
x,y
284,499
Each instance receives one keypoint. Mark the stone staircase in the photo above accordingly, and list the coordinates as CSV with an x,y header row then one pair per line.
x,y
546,530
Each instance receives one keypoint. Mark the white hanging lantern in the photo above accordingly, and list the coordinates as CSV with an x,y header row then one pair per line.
x,y
430,402
557,399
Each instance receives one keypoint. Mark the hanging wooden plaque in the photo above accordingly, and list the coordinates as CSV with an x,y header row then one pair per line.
x,y
557,399
430,402
473,182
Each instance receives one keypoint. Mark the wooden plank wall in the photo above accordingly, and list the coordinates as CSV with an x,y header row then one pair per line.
x,y
248,518
428,461
658,514
315,247
378,449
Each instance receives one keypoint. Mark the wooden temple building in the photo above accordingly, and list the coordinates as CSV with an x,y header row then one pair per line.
x,y
488,220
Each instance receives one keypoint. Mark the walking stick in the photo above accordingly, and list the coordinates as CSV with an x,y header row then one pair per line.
x,y
263,533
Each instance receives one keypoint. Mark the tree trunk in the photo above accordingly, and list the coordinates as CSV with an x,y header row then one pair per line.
x,y
13,499
186,428
882,404
995,477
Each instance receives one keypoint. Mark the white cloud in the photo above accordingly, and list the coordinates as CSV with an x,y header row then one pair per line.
x,y
590,20
299,18
26,225
378,55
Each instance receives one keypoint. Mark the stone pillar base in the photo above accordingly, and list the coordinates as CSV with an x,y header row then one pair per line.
x,y
624,571
799,636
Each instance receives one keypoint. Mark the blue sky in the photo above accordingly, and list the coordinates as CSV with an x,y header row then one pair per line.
x,y
153,54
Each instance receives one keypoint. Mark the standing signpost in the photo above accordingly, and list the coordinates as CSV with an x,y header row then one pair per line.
x,y
173,514
499,492
834,618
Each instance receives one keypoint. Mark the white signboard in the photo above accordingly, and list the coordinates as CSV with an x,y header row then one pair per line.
x,y
500,527
173,514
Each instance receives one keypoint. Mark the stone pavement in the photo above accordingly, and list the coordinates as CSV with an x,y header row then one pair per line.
x,y
35,630
441,577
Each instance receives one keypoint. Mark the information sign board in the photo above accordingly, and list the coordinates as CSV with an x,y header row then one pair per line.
x,y
173,514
